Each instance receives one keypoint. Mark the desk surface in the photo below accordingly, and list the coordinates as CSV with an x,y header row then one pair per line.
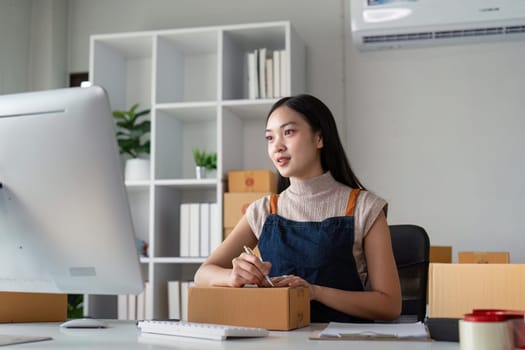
x,y
125,335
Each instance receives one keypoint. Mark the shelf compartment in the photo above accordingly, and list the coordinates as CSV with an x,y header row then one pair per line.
x,y
187,66
165,273
122,65
237,43
168,200
178,131
242,137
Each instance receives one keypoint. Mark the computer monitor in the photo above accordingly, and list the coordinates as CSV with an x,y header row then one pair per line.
x,y
65,222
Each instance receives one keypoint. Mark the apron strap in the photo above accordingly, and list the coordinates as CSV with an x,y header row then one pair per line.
x,y
352,199
273,203
350,206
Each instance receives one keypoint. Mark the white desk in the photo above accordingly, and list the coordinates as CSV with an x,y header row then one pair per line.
x,y
125,335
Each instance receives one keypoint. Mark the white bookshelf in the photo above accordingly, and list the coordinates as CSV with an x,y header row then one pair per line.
x,y
195,81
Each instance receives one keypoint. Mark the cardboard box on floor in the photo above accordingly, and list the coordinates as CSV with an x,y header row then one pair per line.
x,y
252,181
32,307
270,308
483,257
456,289
440,254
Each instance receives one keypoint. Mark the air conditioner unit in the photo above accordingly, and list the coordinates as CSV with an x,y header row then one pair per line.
x,y
381,24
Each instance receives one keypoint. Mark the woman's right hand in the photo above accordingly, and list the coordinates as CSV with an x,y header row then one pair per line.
x,y
249,269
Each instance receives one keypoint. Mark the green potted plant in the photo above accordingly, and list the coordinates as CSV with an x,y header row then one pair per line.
x,y
204,162
133,141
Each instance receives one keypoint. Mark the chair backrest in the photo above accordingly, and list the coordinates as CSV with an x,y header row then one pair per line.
x,y
411,247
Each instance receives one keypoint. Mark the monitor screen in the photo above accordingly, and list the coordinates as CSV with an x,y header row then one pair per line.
x,y
65,222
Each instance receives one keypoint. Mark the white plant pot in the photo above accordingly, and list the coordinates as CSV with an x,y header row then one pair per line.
x,y
137,169
200,172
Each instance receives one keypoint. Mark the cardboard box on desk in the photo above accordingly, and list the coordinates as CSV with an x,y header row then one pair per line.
x,y
457,289
252,181
270,308
32,307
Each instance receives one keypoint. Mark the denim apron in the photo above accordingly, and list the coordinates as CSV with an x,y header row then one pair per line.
x,y
319,252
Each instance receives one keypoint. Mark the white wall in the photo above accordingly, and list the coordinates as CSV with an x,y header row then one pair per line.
x,y
15,29
440,133
33,53
48,45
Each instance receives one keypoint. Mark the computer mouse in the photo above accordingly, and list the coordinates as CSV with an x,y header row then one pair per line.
x,y
84,323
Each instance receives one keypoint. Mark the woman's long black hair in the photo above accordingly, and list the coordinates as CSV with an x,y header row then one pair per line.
x,y
320,118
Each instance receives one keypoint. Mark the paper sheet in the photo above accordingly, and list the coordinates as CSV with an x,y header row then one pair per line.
x,y
6,339
375,330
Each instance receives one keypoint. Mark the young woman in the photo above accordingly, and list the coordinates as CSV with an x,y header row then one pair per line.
x,y
323,231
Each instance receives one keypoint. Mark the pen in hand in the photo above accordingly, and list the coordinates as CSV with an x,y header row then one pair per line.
x,y
250,252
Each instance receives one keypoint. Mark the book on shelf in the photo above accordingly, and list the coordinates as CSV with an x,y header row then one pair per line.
x,y
174,300
132,306
184,231
122,307
195,230
148,297
205,229
215,227
141,306
284,73
262,72
135,306
199,229
253,75
269,78
276,73
178,299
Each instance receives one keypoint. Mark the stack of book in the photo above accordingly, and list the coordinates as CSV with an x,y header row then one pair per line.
x,y
135,306
178,299
267,73
200,231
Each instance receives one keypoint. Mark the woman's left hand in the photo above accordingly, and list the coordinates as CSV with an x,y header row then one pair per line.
x,y
293,281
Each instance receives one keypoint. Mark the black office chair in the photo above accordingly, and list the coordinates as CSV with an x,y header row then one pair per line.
x,y
411,247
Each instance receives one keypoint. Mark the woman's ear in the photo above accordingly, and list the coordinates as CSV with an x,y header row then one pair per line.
x,y
319,140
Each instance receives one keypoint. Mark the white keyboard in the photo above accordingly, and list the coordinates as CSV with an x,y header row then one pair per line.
x,y
199,330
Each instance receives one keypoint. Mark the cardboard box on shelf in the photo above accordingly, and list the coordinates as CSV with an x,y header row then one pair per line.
x,y
457,289
252,181
483,257
235,204
33,307
440,254
270,308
